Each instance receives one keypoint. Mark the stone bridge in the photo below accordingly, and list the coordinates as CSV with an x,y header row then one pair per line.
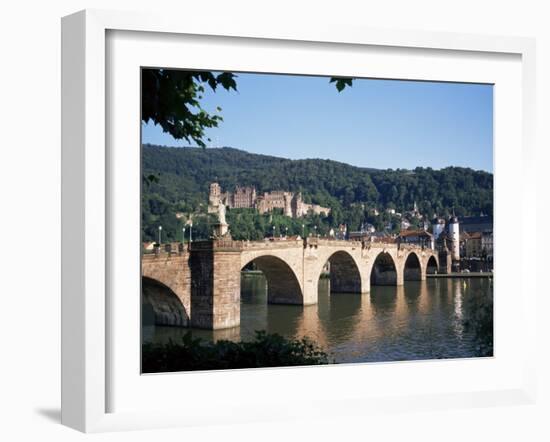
x,y
199,285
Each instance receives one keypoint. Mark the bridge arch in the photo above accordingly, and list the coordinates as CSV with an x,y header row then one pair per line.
x,y
412,268
432,266
161,304
384,270
283,285
345,273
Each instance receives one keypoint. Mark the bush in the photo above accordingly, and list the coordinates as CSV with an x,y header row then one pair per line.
x,y
480,321
266,350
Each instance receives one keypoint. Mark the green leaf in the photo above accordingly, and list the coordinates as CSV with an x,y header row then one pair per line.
x,y
341,82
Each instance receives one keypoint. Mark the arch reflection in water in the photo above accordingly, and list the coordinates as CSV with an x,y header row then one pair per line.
x,y
342,315
258,314
384,303
420,320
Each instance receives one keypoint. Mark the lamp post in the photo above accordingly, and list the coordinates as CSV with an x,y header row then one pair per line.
x,y
286,232
160,235
303,231
183,235
316,231
273,234
191,232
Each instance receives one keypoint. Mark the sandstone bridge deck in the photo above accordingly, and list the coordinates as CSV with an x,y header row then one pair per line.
x,y
199,285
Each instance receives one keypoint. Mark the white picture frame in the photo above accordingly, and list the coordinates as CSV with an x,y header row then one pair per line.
x,y
88,227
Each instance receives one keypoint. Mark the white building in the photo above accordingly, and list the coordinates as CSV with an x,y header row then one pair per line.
x,y
454,236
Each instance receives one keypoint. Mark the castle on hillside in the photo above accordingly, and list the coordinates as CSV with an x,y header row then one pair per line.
x,y
247,198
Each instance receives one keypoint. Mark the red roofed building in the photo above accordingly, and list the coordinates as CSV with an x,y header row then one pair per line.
x,y
417,237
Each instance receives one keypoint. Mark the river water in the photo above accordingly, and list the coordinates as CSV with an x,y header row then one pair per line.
x,y
420,320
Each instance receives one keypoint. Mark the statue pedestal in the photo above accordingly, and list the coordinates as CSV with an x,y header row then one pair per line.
x,y
221,229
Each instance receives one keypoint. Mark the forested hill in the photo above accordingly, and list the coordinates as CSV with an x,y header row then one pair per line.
x,y
185,174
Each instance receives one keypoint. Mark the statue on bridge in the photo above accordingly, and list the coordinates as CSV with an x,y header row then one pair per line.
x,y
221,229
221,213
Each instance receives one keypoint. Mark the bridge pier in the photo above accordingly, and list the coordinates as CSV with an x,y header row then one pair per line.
x,y
215,285
445,262
400,278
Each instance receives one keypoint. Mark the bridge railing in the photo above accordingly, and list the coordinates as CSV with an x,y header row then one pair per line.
x,y
244,244
318,241
395,245
177,248
272,244
215,244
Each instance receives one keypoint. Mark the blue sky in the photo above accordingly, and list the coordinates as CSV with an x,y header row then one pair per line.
x,y
376,123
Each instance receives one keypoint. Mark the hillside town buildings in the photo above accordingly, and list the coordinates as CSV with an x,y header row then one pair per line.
x,y
468,242
417,237
290,203
464,241
471,244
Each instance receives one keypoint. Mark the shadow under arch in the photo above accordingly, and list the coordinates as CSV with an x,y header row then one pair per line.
x,y
431,267
160,305
345,276
412,270
282,284
384,270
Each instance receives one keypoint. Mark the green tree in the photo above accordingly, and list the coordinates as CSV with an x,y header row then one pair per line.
x,y
186,175
265,350
171,99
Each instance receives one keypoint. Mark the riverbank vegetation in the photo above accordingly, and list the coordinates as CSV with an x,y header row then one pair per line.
x,y
479,321
266,350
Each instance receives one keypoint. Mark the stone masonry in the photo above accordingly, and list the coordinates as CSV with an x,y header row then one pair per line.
x,y
206,277
171,270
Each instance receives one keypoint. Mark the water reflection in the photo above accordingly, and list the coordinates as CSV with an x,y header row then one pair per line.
x,y
458,312
420,320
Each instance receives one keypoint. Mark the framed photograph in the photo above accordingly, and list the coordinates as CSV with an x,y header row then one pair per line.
x,y
291,222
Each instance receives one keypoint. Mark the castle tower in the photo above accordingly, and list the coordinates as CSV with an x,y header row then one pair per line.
x,y
215,194
454,236
288,204
214,197
297,205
